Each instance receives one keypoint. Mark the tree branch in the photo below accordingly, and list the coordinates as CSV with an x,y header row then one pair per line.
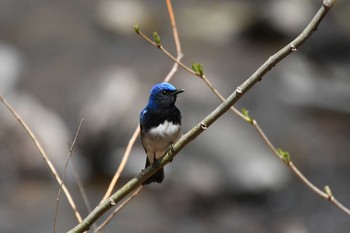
x,y
121,206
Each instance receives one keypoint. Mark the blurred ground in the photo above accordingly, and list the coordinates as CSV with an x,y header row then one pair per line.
x,y
61,61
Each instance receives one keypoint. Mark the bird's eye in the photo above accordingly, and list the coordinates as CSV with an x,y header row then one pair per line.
x,y
164,92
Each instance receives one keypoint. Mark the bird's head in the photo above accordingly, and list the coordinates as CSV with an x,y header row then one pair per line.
x,y
163,95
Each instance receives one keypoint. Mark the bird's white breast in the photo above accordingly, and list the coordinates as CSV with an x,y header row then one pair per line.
x,y
157,140
167,129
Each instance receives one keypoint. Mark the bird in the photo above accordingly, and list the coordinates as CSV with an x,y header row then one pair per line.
x,y
160,124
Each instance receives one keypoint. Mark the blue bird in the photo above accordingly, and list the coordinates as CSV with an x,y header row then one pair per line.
x,y
160,123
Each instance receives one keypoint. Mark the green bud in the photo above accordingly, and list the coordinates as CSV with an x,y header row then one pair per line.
x,y
328,191
245,113
198,69
156,38
137,28
284,155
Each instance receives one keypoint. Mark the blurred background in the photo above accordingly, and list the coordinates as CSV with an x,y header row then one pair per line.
x,y
61,61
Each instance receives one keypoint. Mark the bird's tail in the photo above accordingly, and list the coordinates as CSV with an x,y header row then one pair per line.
x,y
156,177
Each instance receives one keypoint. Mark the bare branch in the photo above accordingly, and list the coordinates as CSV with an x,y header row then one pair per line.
x,y
296,171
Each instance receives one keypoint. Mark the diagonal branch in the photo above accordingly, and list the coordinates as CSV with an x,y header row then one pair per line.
x,y
121,206
295,170
134,183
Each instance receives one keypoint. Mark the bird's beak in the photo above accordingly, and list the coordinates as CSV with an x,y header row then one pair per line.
x,y
178,92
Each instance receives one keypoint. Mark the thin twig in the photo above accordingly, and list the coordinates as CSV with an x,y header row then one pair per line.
x,y
81,189
44,156
173,26
299,174
64,173
306,181
122,164
167,53
176,40
124,203
198,129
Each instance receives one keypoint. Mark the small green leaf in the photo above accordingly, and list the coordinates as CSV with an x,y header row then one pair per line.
x,y
195,67
245,112
328,191
137,28
284,155
156,38
198,69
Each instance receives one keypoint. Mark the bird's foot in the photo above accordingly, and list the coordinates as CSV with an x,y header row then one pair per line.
x,y
171,149
155,163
